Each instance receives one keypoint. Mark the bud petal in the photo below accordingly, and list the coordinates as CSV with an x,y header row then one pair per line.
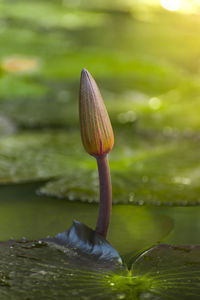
x,y
96,130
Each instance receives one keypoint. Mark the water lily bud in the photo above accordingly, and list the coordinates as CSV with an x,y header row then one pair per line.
x,y
96,130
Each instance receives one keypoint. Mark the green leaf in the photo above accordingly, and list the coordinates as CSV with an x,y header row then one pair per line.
x,y
79,264
163,272
12,86
150,170
58,268
32,113
173,272
6,126
144,171
35,156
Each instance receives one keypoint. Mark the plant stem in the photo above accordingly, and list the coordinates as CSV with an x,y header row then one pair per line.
x,y
105,204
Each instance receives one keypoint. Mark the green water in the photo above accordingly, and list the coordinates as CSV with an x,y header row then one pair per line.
x,y
24,214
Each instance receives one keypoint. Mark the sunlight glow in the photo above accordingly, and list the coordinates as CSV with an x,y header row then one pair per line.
x,y
171,5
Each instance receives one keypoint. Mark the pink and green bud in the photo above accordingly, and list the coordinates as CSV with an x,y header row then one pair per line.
x,y
96,129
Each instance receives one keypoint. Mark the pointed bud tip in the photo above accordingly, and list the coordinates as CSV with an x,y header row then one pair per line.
x,y
84,75
84,72
96,130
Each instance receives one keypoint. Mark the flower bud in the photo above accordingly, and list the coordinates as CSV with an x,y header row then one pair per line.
x,y
96,130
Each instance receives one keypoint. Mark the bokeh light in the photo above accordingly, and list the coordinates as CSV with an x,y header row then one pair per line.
x,y
171,5
20,64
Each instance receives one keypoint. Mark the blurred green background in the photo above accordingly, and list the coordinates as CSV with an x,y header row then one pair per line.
x,y
145,57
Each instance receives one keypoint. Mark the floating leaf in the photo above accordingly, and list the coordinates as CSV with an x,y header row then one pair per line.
x,y
172,272
79,264
20,87
58,267
124,66
6,126
35,156
140,86
153,171
144,170
32,113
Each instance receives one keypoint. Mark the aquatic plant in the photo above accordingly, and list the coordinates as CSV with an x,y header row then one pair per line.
x,y
98,139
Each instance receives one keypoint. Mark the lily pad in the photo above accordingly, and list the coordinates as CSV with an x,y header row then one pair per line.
x,y
145,85
31,157
6,126
32,113
150,170
33,102
58,268
23,87
173,272
80,264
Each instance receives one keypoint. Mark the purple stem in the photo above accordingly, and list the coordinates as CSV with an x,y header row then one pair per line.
x,y
105,204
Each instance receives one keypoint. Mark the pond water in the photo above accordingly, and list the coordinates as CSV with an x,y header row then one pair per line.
x,y
133,228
